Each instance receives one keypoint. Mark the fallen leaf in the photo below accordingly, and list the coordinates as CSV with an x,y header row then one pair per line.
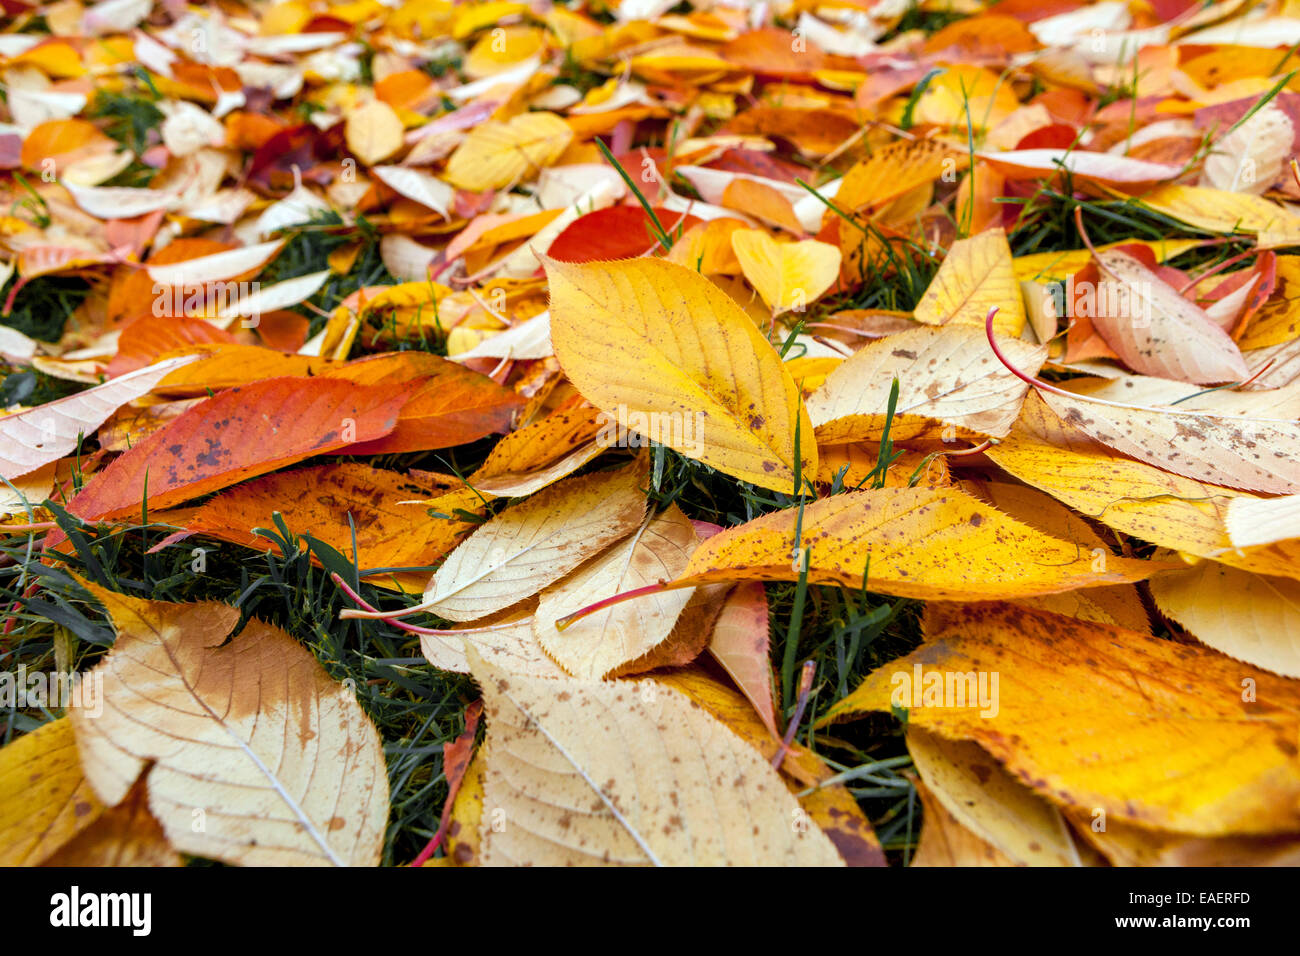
x,y
373,132
1252,617
37,436
740,642
971,549
1258,521
673,358
968,783
532,544
788,275
507,640
1158,332
975,276
1130,496
1250,158
1234,450
1086,740
496,154
45,800
280,760
602,643
948,374
330,502
699,796
124,835
1123,173
447,405
240,433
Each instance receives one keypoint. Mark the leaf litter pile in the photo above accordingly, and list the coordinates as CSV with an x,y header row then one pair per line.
x,y
850,432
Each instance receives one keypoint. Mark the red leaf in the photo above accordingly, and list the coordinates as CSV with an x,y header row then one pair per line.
x,y
618,232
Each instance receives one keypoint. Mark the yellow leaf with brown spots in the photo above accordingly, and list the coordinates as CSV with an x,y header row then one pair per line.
x,y
45,800
931,543
673,358
281,761
975,276
1096,717
627,773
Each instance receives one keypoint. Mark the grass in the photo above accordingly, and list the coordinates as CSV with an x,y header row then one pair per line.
x,y
307,251
42,307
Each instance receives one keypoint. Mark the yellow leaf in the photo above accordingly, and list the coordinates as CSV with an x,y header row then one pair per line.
x,y
971,551
674,359
895,169
1090,716
282,763
967,95
373,132
975,275
949,374
627,773
125,835
501,49
1130,496
986,800
600,644
1251,617
788,275
474,17
536,542
1223,212
541,453
496,154
45,800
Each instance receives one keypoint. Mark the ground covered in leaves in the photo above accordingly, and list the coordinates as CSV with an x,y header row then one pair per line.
x,y
862,432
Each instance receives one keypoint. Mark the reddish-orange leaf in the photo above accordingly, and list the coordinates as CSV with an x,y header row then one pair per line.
x,y
149,337
449,404
238,434
617,232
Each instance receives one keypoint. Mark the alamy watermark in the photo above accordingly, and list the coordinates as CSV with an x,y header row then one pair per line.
x,y
1086,300
208,298
52,690
945,689
631,429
